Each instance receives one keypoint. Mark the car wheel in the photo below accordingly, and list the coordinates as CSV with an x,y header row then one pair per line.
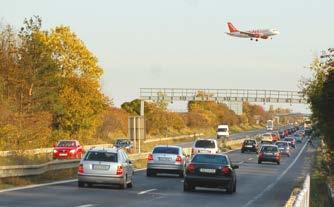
x,y
230,188
242,151
123,185
148,173
278,162
181,174
235,186
259,161
130,185
188,187
81,184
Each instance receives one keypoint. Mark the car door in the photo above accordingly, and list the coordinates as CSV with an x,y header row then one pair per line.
x,y
129,165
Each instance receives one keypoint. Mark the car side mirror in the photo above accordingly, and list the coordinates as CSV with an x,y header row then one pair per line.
x,y
235,166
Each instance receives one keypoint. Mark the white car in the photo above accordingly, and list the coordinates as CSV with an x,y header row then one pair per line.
x,y
205,146
223,131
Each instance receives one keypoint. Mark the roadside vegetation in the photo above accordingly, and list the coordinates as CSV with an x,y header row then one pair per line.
x,y
50,90
319,93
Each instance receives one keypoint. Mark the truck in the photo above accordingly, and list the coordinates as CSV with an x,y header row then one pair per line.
x,y
270,125
223,131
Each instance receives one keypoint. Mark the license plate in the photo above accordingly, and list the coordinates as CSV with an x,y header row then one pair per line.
x,y
62,154
268,153
249,146
101,167
165,158
204,151
204,170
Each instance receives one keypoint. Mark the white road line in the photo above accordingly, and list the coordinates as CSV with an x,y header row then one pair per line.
x,y
146,191
251,158
86,205
38,185
269,187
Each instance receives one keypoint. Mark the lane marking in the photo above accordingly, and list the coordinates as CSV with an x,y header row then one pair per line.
x,y
38,185
86,205
269,187
146,191
251,158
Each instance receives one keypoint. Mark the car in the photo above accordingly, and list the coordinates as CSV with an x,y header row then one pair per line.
x,y
275,135
265,142
291,141
166,159
223,131
106,166
269,153
297,137
249,145
281,133
268,136
125,144
205,146
211,171
67,149
284,148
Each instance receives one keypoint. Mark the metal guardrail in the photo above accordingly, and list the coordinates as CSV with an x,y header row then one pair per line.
x,y
303,198
221,95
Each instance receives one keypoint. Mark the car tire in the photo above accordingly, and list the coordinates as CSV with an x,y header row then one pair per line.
x,y
242,151
130,185
181,174
259,162
81,184
123,185
148,173
230,187
235,186
278,163
188,187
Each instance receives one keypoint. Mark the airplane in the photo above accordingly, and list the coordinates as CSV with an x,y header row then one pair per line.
x,y
253,34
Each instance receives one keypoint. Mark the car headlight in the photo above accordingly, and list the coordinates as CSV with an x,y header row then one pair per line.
x,y
55,151
72,151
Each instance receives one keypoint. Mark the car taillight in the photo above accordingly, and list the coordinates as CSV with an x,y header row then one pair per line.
x,y
81,169
150,157
190,168
261,155
119,170
178,158
277,154
226,170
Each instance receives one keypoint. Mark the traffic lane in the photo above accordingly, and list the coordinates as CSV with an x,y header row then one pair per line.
x,y
280,193
232,136
166,190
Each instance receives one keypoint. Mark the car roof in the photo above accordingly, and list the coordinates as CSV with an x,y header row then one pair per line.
x,y
105,149
171,146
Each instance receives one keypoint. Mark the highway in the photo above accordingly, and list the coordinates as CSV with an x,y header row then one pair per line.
x,y
257,185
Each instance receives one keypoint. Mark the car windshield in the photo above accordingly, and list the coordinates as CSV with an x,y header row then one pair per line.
x,y
212,159
269,149
221,130
101,156
205,144
166,150
66,144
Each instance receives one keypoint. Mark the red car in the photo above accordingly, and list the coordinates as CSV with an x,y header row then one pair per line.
x,y
67,149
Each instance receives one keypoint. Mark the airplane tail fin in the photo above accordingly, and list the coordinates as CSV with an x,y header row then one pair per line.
x,y
231,27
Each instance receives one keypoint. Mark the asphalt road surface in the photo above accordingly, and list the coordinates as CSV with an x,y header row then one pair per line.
x,y
257,185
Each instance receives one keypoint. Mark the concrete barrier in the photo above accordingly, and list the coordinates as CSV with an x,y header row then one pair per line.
x,y
303,197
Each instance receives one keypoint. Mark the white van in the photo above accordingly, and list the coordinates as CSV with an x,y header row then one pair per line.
x,y
223,131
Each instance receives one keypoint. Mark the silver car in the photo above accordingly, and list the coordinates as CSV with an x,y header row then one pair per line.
x,y
166,159
284,148
105,166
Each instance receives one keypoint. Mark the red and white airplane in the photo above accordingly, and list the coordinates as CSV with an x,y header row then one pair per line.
x,y
253,34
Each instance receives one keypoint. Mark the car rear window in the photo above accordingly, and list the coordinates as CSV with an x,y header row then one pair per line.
x,y
288,139
66,144
221,130
205,144
166,150
249,141
212,159
281,144
266,142
101,156
269,149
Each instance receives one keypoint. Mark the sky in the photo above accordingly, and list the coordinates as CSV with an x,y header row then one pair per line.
x,y
182,43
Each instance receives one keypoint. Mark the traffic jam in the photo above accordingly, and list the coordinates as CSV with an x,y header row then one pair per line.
x,y
205,166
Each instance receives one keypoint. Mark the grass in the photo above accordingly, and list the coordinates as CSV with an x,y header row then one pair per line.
x,y
318,194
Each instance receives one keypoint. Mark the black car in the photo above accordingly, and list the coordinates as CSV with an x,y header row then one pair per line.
x,y
249,145
211,171
124,144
